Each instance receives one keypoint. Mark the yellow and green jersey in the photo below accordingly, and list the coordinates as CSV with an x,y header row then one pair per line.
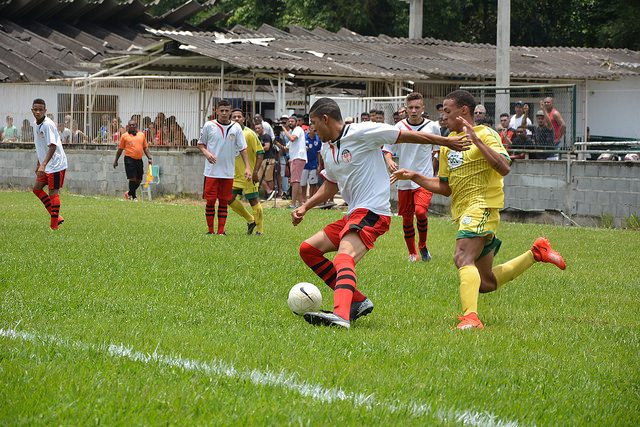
x,y
473,182
254,147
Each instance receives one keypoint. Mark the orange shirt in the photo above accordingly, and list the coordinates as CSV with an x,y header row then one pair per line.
x,y
133,145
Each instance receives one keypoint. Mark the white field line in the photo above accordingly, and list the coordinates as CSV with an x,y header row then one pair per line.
x,y
268,378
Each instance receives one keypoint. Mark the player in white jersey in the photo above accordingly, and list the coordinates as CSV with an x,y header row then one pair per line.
x,y
52,162
220,141
354,165
414,200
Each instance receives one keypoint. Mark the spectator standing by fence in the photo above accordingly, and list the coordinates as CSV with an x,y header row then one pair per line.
x,y
557,122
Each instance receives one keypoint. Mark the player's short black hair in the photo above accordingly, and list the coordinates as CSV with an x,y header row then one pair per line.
x,y
439,106
224,103
237,109
504,115
462,98
326,106
39,101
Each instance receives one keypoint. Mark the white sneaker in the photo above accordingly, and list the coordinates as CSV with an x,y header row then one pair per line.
x,y
326,318
360,309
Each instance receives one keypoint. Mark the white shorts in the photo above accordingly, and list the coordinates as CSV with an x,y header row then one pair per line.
x,y
309,177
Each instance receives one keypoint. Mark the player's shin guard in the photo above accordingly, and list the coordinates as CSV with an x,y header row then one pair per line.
x,y
469,288
222,215
55,210
513,268
345,285
258,214
423,227
210,213
324,269
237,206
409,233
44,198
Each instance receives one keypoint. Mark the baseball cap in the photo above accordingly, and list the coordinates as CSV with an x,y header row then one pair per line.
x,y
519,104
540,113
284,117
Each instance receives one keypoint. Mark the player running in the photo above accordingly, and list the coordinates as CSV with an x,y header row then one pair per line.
x,y
354,165
474,180
413,199
220,141
52,162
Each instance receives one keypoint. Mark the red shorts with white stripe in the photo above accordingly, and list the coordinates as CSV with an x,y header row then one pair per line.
x,y
54,180
218,188
409,199
366,223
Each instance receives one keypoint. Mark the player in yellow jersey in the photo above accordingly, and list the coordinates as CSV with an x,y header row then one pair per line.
x,y
474,180
255,153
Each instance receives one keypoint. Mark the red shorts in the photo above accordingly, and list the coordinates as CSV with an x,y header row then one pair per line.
x,y
54,180
367,224
218,188
409,199
296,166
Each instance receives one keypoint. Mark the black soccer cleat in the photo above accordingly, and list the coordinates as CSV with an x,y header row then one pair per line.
x,y
250,227
326,318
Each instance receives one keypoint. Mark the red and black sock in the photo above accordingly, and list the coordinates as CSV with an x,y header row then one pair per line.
x,y
222,215
324,269
210,213
423,227
55,210
44,198
409,233
345,285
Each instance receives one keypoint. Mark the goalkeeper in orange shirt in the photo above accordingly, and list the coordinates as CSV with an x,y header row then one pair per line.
x,y
473,179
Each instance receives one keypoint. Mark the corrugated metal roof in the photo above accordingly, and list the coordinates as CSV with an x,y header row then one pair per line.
x,y
348,54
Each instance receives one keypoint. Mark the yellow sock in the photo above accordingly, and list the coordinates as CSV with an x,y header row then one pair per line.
x,y
513,268
469,288
258,215
239,208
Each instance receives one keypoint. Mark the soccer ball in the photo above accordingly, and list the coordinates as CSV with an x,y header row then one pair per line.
x,y
304,297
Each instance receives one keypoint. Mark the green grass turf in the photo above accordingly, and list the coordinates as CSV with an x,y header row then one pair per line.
x,y
559,348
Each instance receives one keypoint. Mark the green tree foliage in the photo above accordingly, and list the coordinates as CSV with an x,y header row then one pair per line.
x,y
581,23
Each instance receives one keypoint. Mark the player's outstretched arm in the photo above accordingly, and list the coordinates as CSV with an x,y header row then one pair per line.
x,y
435,185
496,160
326,191
457,143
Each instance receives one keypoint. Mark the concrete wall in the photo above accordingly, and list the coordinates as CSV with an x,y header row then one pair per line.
x,y
535,190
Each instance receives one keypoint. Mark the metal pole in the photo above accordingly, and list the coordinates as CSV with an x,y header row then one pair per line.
x,y
503,57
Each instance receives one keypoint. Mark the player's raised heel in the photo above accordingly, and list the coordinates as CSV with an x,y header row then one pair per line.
x,y
250,227
360,309
469,321
326,318
542,252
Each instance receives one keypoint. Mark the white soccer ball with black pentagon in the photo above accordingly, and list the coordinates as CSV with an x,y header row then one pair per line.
x,y
304,297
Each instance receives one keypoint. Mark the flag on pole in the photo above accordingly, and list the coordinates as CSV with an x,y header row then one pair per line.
x,y
149,177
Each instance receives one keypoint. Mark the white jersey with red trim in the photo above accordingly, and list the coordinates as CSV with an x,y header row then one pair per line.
x,y
415,157
224,142
355,163
46,134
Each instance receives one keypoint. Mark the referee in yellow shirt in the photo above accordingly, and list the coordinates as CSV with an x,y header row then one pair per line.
x,y
474,180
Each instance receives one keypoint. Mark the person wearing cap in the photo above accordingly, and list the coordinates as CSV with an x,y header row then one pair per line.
x,y
516,120
348,120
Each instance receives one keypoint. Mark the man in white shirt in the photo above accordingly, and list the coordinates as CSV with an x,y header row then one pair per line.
x,y
354,165
52,162
297,148
220,141
414,200
516,120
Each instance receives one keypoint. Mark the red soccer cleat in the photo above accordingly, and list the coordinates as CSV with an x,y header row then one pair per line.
x,y
469,321
542,252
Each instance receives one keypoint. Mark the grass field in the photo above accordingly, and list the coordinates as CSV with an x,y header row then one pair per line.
x,y
129,314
